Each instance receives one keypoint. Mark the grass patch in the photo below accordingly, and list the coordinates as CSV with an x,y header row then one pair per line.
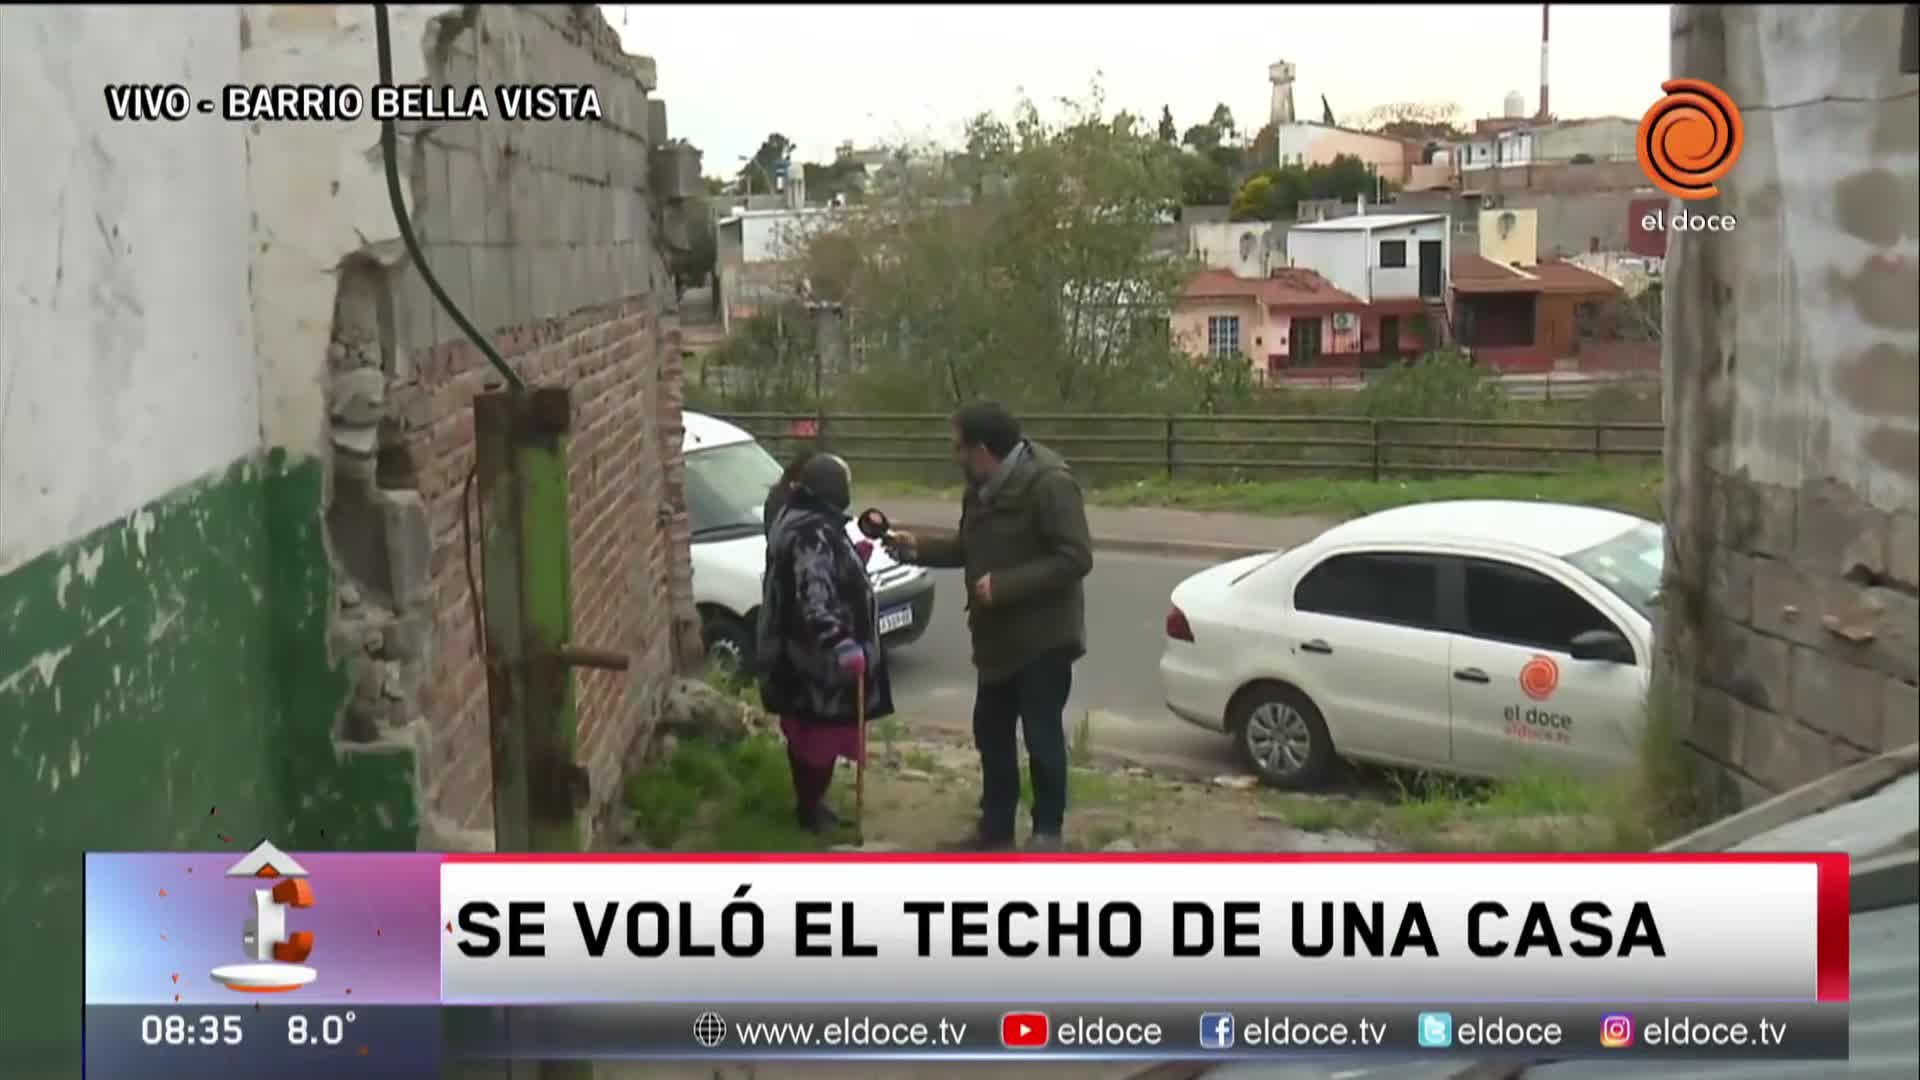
x,y
1321,814
1631,490
919,759
1093,787
737,797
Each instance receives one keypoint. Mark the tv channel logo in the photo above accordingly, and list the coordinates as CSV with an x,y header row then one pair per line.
x,y
278,952
1436,1030
1616,1031
1216,1031
1024,1030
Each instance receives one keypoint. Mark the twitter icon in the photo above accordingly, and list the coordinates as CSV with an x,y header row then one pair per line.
x,y
1436,1030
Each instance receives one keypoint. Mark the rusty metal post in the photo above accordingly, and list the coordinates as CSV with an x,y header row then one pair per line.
x,y
539,791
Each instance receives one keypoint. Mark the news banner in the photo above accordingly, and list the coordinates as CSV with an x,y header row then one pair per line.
x,y
375,964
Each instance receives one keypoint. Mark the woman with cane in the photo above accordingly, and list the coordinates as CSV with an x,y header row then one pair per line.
x,y
822,670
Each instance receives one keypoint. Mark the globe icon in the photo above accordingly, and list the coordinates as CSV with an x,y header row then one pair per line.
x,y
709,1030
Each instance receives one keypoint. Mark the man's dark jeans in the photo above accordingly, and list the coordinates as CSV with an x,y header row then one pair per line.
x,y
1034,701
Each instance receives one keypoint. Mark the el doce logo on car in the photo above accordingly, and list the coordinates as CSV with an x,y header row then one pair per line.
x,y
1539,678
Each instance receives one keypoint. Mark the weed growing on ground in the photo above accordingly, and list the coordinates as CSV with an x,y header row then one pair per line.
x,y
1319,814
1080,750
737,797
889,730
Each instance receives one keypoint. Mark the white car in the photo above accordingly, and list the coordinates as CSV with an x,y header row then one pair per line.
x,y
1481,638
728,477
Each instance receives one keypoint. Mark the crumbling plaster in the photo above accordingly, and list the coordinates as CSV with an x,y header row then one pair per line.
x,y
319,193
123,276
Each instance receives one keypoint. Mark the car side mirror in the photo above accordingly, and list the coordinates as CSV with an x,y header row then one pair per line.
x,y
1605,645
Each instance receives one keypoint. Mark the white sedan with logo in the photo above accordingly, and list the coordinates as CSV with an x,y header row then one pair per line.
x,y
1481,638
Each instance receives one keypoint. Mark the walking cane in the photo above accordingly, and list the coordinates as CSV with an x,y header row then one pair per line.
x,y
860,763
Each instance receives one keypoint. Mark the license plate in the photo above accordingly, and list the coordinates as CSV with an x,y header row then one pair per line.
x,y
896,619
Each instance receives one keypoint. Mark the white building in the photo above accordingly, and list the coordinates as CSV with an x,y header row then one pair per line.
x,y
1251,249
1377,257
754,250
1601,138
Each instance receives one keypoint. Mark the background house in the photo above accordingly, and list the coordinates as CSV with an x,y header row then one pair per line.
x,y
1319,144
1290,320
755,253
1250,249
1512,311
1396,264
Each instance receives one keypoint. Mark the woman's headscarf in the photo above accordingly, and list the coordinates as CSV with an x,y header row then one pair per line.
x,y
828,478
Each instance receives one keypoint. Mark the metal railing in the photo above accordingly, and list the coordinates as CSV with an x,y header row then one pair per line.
x,y
1132,446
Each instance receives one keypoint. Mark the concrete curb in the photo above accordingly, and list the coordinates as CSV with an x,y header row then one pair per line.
x,y
1136,545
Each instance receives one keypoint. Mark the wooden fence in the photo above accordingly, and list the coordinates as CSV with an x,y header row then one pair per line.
x,y
1119,448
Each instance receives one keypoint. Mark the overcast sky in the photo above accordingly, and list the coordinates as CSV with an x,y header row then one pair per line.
x,y
823,74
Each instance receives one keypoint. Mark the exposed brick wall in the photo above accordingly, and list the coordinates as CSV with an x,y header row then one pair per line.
x,y
549,237
1788,635
622,549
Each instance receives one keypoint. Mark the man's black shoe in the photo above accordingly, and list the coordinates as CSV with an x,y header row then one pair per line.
x,y
979,841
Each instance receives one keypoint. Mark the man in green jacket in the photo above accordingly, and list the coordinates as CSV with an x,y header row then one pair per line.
x,y
1024,550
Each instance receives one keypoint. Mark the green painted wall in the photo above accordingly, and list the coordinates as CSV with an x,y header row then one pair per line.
x,y
169,663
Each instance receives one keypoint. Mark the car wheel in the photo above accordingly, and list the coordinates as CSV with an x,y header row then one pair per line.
x,y
728,642
1281,735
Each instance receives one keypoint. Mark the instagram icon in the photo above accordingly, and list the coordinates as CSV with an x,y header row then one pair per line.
x,y
1616,1031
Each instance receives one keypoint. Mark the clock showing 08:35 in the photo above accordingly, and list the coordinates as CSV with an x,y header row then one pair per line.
x,y
177,1029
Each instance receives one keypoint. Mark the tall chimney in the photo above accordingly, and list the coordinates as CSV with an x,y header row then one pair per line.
x,y
1544,114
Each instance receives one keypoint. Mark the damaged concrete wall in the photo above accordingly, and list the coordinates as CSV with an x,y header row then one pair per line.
x,y
548,236
233,433
1791,349
165,582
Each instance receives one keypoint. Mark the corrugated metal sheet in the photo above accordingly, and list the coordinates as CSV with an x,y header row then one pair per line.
x,y
1884,1015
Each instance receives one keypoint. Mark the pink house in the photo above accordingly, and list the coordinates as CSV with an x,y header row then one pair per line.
x,y
1293,319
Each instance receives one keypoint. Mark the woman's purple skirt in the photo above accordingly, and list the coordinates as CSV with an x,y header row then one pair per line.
x,y
820,745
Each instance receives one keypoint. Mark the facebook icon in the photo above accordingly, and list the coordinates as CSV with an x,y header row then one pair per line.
x,y
1216,1031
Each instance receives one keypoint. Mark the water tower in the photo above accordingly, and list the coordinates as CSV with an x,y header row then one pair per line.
x,y
1516,106
1280,74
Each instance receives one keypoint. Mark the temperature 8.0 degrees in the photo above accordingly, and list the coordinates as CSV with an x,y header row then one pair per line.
x,y
330,1031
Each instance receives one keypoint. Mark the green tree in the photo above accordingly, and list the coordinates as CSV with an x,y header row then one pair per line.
x,y
1051,294
1167,132
1222,122
1264,151
843,178
767,163
1203,181
1201,139
1275,194
691,265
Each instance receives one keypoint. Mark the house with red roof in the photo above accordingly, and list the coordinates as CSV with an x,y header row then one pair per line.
x,y
1525,318
1293,318
1360,291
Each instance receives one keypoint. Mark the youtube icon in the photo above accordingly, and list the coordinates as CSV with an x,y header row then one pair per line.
x,y
1023,1030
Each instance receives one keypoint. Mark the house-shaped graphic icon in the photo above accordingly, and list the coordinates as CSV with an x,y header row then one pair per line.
x,y
266,861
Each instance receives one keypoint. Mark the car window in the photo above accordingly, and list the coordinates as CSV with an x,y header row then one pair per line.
x,y
725,487
1629,564
1382,587
1518,606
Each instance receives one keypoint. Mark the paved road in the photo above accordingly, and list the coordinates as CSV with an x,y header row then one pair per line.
x,y
1119,679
